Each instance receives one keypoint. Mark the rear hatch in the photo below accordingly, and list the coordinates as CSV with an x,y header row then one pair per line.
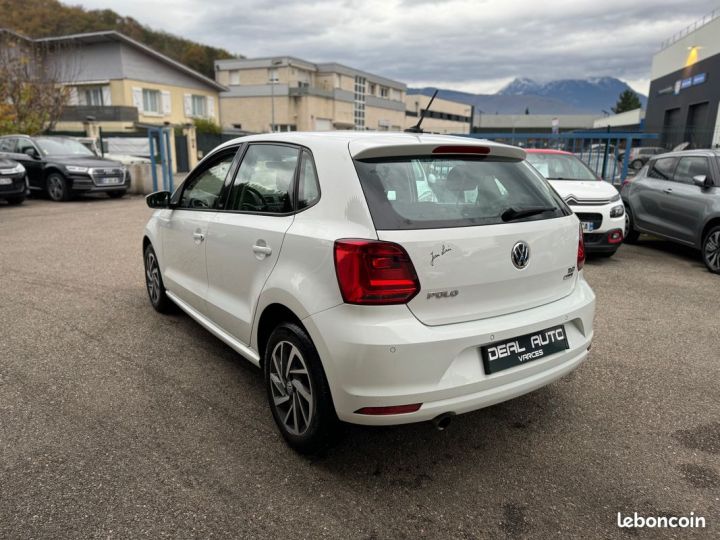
x,y
485,233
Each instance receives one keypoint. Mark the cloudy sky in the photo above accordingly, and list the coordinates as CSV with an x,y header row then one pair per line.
x,y
471,45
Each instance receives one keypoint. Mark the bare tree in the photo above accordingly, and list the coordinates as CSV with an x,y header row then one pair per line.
x,y
33,83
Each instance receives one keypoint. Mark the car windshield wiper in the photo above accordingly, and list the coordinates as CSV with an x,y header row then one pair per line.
x,y
511,214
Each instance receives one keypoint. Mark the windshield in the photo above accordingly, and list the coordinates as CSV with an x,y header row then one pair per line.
x,y
428,193
59,146
560,167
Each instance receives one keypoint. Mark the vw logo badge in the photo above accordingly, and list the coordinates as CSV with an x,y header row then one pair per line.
x,y
520,255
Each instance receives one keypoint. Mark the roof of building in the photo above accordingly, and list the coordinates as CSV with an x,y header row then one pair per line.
x,y
112,35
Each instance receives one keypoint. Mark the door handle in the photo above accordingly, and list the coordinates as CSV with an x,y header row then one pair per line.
x,y
262,250
198,236
667,190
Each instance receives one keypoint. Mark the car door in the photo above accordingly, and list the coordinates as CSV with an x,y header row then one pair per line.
x,y
245,239
34,165
649,196
184,230
688,205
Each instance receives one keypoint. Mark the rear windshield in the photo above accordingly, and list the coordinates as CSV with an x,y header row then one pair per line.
x,y
431,193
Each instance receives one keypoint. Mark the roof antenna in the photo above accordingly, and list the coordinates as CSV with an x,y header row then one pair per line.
x,y
416,128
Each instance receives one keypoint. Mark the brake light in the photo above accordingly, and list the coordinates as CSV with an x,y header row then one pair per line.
x,y
393,409
581,251
374,272
457,149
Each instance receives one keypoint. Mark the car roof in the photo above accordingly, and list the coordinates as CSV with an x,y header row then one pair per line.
x,y
547,151
707,152
365,143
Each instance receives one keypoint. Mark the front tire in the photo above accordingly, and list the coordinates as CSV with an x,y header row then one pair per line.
x,y
57,187
711,250
631,235
154,283
298,391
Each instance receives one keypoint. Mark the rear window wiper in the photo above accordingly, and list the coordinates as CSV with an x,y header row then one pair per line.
x,y
511,214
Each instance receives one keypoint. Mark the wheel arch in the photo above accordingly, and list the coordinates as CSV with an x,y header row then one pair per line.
x,y
272,315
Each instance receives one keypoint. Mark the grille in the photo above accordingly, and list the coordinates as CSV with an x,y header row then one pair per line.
x,y
575,201
595,219
17,183
106,171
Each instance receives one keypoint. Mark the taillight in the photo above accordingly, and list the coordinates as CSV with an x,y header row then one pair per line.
x,y
374,272
581,251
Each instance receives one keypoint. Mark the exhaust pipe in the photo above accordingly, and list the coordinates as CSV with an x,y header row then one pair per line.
x,y
442,421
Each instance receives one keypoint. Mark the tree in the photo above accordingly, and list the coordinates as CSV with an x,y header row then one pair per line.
x,y
627,101
32,89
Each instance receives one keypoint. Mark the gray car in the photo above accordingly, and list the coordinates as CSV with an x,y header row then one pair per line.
x,y
676,197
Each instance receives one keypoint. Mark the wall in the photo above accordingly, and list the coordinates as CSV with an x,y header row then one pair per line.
x,y
124,90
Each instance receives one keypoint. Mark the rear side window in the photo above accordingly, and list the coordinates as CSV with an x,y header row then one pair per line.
x,y
690,167
308,186
427,192
662,168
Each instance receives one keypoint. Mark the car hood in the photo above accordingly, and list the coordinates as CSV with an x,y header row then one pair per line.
x,y
587,190
84,161
7,163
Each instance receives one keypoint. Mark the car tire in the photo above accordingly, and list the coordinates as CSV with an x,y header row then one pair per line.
x,y
154,283
116,194
711,250
637,164
300,401
14,201
631,236
57,187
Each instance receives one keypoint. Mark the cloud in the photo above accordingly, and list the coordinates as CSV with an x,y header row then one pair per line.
x,y
473,45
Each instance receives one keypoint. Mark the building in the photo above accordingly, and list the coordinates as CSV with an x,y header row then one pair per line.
x,y
685,87
290,94
531,123
627,121
444,116
123,83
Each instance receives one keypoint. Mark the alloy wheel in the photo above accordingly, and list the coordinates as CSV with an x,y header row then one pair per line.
x,y
152,277
712,251
627,225
291,387
56,188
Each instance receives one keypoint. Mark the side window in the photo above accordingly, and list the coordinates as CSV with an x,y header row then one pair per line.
x,y
662,168
203,190
308,186
264,181
691,166
22,145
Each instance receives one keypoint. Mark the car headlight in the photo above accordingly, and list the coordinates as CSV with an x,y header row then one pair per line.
x,y
15,170
616,198
617,211
76,169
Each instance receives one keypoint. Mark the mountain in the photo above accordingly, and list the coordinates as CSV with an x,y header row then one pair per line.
x,y
45,18
569,96
595,94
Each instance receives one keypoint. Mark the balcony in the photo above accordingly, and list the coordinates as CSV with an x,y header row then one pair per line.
x,y
79,113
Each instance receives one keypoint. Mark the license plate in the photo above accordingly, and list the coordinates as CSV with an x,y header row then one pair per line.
x,y
5,181
109,180
587,226
523,349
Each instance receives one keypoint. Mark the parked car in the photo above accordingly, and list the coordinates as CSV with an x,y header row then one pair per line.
x,y
676,197
640,155
61,167
596,203
93,144
13,182
597,161
375,278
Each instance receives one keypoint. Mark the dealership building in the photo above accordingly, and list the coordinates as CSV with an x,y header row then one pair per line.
x,y
685,87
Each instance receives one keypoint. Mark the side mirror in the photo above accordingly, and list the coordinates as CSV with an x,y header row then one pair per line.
x,y
159,199
30,151
703,181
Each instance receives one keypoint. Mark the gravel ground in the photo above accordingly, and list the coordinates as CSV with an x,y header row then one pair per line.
x,y
117,422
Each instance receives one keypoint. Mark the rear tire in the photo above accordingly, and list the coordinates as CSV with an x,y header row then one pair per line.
x,y
14,201
57,187
154,283
711,250
298,391
631,235
637,164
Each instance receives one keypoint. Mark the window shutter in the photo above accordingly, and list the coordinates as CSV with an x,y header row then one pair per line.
x,y
211,107
107,101
188,104
73,96
166,104
138,99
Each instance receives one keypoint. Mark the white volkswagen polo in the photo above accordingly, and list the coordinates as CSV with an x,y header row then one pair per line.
x,y
375,278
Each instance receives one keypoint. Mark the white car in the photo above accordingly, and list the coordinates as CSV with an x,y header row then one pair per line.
x,y
375,278
595,202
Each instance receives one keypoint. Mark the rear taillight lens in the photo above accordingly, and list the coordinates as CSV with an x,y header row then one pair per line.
x,y
374,272
581,251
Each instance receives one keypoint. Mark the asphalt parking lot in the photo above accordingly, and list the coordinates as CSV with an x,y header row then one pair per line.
x,y
117,422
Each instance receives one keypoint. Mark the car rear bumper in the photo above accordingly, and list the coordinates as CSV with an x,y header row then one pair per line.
x,y
383,356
